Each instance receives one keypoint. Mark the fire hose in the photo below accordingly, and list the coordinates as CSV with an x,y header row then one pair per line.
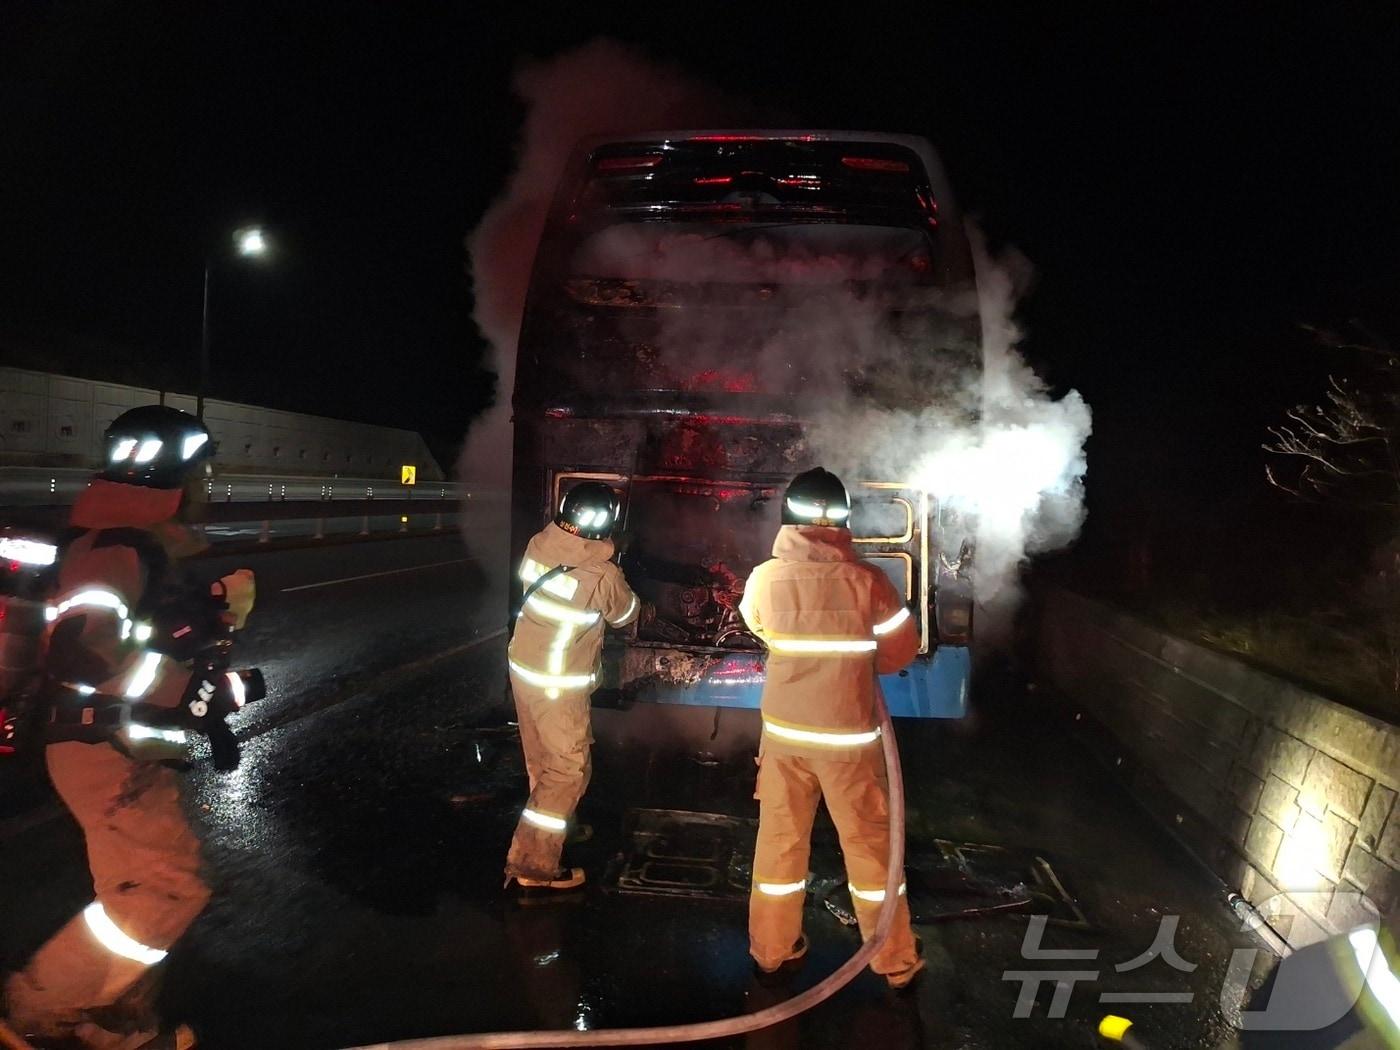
x,y
729,1026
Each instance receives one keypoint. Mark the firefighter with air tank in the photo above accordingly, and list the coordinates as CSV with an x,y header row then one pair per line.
x,y
134,660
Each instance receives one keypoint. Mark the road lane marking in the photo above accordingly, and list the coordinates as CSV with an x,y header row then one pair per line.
x,y
444,654
358,689
372,575
14,826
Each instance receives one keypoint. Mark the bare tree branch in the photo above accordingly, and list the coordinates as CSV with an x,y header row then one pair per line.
x,y
1347,445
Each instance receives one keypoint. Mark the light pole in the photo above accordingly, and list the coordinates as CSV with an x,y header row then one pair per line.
x,y
250,243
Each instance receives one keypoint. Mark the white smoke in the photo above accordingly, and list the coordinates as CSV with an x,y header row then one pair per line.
x,y
601,88
991,443
909,400
1024,478
800,309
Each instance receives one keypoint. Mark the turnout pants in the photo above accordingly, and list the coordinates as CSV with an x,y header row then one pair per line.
x,y
555,735
857,796
145,871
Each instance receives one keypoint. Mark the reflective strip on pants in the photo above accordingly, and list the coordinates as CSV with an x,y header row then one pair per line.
x,y
873,896
790,787
115,941
555,736
780,889
821,738
543,820
552,681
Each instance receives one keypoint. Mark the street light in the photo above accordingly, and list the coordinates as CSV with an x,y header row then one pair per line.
x,y
250,243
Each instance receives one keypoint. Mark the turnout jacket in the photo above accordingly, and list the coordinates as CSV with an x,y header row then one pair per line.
x,y
831,623
98,627
559,633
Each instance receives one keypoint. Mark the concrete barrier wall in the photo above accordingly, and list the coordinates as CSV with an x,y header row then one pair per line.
x,y
1289,797
54,420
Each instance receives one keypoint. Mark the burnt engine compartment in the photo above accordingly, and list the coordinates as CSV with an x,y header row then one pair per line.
x,y
702,497
692,543
691,546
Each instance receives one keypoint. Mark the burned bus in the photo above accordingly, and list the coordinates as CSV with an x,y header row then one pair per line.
x,y
699,301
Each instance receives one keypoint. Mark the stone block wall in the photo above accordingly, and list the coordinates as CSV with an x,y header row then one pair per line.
x,y
1287,796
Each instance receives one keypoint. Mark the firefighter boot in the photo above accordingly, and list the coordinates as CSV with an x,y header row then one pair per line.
x,y
563,879
904,978
784,969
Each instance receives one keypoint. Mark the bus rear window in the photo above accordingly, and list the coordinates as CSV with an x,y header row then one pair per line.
x,y
729,174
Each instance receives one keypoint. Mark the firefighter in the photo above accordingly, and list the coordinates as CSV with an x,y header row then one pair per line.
x,y
573,591
115,704
831,622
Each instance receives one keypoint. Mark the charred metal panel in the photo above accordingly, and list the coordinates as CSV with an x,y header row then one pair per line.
x,y
692,544
686,439
1018,870
674,853
968,881
589,443
684,853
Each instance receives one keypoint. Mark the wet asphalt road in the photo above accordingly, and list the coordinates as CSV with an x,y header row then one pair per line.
x,y
355,855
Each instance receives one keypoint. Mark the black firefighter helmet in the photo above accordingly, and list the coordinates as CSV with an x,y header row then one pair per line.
x,y
817,497
590,509
155,446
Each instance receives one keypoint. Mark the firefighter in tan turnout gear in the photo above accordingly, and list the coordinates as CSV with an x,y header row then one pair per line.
x,y
115,700
831,622
573,592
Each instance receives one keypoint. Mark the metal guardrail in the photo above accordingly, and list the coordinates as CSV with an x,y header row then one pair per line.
x,y
281,510
42,486
227,488
373,514
313,519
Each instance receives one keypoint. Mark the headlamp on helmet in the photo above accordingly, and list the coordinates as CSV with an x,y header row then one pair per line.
x,y
155,446
817,497
590,510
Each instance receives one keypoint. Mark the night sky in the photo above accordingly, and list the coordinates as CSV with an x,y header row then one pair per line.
x,y
1190,185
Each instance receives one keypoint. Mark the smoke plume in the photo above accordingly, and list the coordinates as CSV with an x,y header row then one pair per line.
x,y
989,444
601,88
903,379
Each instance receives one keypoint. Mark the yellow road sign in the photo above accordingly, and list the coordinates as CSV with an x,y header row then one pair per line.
x,y
408,475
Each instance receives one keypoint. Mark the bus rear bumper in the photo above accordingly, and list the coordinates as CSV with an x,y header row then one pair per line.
x,y
933,686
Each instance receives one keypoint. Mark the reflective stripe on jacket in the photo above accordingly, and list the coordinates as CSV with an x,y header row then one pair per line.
x,y
559,635
96,643
830,621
